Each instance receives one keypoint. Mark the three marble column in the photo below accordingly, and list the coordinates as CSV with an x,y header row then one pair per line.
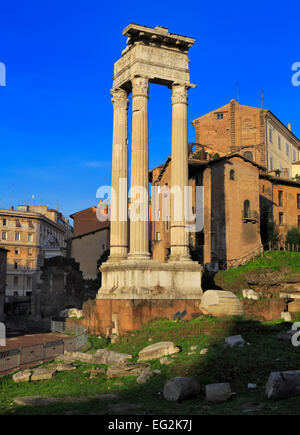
x,y
139,222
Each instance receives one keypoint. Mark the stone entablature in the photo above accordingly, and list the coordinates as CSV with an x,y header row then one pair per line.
x,y
153,53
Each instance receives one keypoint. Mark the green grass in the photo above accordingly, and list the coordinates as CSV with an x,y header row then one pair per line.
x,y
239,366
271,269
274,260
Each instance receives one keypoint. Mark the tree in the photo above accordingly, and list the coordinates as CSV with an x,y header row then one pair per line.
x,y
293,236
101,260
269,230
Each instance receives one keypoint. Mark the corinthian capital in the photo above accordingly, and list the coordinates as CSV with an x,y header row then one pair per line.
x,y
140,86
179,94
119,99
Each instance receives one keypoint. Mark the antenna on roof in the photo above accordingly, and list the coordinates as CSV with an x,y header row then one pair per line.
x,y
238,91
262,98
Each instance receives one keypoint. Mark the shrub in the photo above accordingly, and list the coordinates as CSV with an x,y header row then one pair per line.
x,y
293,236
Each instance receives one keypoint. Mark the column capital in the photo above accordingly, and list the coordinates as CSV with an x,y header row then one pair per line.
x,y
140,86
179,94
120,98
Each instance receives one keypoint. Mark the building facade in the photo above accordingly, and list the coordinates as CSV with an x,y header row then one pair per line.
x,y
280,201
90,241
255,133
3,265
229,191
29,234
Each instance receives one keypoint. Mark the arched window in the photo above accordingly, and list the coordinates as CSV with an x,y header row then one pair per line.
x,y
247,209
232,174
248,155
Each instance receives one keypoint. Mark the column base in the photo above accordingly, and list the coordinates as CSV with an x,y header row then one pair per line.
x,y
139,256
149,279
124,315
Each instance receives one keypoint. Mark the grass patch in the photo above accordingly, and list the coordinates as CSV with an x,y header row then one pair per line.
x,y
239,366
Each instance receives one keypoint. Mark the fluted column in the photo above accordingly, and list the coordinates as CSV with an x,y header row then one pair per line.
x,y
139,238
179,174
119,182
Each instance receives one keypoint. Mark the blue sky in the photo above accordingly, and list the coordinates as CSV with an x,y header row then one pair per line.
x,y
56,114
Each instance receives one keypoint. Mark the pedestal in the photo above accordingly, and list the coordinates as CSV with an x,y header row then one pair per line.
x,y
133,292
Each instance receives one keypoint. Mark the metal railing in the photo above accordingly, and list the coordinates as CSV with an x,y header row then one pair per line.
x,y
259,252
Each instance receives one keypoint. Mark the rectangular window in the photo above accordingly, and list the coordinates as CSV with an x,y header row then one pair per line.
x,y
271,163
287,149
280,198
294,155
212,243
15,282
17,251
28,282
167,223
17,236
16,265
220,115
298,200
4,222
29,252
279,142
18,223
298,221
30,224
30,237
271,134
280,218
158,236
4,235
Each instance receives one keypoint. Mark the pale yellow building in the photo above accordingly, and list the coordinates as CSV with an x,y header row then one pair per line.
x,y
30,234
282,146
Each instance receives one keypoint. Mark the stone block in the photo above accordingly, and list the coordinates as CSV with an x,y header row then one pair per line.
x,y
221,303
283,384
106,356
218,392
181,388
41,374
157,350
286,316
235,340
23,376
251,294
128,369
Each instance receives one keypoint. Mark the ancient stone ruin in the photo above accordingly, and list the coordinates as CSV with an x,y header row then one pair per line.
x,y
135,288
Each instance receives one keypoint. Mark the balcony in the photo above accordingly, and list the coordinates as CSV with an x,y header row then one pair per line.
x,y
250,216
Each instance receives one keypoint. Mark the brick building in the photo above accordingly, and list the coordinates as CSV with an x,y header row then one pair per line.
x,y
230,187
280,200
255,133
